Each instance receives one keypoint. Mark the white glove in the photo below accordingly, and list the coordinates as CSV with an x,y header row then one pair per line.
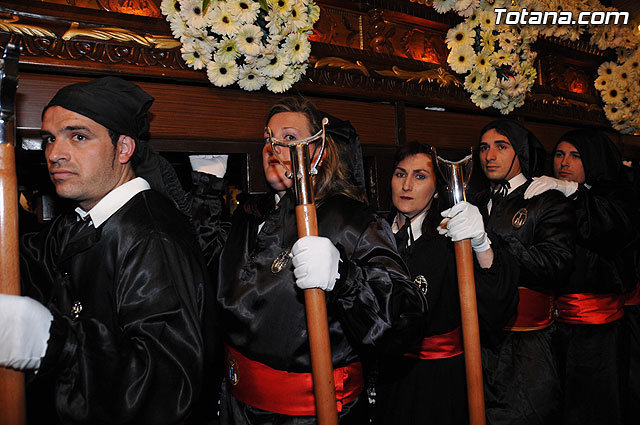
x,y
209,164
544,183
464,221
24,332
315,261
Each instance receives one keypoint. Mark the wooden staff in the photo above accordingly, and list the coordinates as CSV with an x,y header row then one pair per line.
x,y
317,323
455,175
12,400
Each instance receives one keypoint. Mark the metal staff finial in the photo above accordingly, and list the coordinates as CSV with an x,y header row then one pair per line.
x,y
456,176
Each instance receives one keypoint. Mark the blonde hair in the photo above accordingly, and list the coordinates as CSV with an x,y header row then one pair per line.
x,y
333,173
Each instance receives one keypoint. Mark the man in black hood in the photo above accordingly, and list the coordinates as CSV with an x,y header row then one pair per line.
x,y
113,293
521,383
587,168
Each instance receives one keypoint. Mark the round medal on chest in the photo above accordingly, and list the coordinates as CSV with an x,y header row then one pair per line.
x,y
281,261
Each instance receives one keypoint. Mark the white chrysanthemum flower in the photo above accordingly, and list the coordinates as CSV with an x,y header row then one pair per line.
x,y
443,6
222,74
483,62
222,21
502,101
298,18
297,47
462,4
602,83
607,69
300,70
615,112
486,19
245,11
249,40
250,79
277,64
484,99
612,95
461,59
623,74
508,41
460,36
473,81
195,54
191,11
490,79
178,27
502,58
488,40
227,50
280,7
473,7
275,23
282,83
170,8
313,11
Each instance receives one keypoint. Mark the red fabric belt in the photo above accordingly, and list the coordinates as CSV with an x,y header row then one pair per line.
x,y
287,393
535,311
438,346
633,297
590,309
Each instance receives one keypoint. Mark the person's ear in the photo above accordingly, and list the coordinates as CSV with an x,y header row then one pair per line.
x,y
125,148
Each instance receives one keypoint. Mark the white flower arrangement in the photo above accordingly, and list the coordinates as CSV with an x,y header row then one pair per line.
x,y
497,58
254,43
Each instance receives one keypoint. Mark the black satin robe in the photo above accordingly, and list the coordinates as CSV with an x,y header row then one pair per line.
x,y
134,354
373,308
433,391
520,372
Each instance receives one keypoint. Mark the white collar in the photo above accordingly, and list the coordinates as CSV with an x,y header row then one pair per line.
x,y
515,182
113,201
416,225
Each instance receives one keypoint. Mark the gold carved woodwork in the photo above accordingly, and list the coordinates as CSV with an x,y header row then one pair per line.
x,y
441,76
11,25
419,45
548,99
120,34
380,32
337,62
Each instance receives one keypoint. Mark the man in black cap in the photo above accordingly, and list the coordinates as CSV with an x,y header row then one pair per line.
x,y
521,382
112,305
588,170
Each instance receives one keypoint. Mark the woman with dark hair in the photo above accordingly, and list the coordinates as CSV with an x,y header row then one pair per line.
x,y
262,267
587,168
427,385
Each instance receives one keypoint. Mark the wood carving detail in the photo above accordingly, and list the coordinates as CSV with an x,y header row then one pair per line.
x,y
419,45
336,62
380,33
439,75
120,34
11,25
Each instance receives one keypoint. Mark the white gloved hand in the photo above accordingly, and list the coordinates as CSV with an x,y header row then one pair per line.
x,y
544,183
464,221
315,261
209,164
24,332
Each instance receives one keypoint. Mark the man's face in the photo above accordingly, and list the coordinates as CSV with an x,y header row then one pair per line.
x,y
82,161
496,154
567,164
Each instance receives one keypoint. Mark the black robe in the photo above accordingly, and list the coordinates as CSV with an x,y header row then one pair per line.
x,y
373,308
134,353
433,391
521,381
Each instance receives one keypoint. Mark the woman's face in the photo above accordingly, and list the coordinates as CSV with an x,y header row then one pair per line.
x,y
287,127
413,184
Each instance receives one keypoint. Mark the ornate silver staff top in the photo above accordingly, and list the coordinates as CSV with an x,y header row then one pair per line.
x,y
456,177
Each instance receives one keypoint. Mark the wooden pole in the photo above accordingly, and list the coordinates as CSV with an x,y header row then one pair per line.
x,y
12,400
324,388
470,331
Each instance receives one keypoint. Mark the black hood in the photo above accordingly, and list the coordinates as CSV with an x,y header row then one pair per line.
x,y
601,159
531,154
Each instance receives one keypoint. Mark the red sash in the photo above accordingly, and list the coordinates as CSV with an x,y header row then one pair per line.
x,y
590,309
535,311
438,346
287,393
633,297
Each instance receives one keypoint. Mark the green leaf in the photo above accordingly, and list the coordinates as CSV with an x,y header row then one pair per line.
x,y
205,4
263,5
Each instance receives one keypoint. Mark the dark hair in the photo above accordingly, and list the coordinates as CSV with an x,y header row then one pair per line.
x,y
433,218
114,137
333,175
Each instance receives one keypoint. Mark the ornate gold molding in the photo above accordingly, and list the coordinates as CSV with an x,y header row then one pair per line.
x,y
549,99
120,34
11,25
336,62
439,75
